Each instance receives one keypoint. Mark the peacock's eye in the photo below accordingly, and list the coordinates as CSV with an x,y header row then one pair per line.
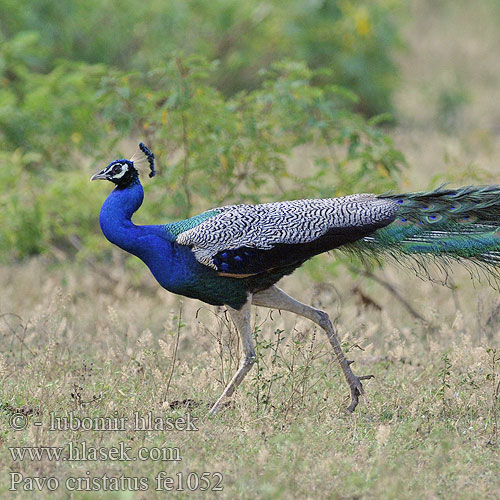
x,y
116,169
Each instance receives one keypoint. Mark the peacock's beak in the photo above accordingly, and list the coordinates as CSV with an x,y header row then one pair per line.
x,y
99,175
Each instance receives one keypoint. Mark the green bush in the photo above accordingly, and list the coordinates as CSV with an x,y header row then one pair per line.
x,y
78,78
354,39
211,149
51,114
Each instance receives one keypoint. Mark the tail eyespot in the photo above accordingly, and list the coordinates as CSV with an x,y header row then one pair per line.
x,y
434,218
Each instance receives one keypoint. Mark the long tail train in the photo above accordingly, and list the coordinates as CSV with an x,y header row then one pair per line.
x,y
444,225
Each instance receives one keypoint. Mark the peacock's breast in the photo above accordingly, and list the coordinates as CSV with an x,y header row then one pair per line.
x,y
176,269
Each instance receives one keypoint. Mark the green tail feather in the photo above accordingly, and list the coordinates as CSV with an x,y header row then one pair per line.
x,y
443,225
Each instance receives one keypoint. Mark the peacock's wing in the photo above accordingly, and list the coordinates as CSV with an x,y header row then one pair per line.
x,y
243,240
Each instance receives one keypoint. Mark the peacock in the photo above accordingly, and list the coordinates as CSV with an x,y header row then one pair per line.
x,y
234,255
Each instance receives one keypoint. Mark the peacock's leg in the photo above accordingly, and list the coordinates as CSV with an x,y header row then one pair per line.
x,y
241,319
277,299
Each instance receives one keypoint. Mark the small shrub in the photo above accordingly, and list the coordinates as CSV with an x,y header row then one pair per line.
x,y
211,149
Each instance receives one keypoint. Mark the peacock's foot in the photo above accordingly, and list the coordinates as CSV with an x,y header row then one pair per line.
x,y
355,385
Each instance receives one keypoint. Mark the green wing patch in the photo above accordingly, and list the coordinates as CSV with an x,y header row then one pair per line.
x,y
176,228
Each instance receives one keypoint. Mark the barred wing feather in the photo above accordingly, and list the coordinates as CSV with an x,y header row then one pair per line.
x,y
250,239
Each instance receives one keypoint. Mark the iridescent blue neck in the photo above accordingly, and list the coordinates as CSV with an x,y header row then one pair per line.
x,y
116,214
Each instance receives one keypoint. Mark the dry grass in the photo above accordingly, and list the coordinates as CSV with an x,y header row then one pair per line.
x,y
101,341
98,349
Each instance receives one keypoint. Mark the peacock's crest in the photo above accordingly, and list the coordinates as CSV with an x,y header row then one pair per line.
x,y
142,157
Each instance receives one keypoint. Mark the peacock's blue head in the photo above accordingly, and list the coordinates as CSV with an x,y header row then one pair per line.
x,y
124,172
120,172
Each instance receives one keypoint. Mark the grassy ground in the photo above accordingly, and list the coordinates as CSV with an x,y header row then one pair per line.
x,y
87,345
106,341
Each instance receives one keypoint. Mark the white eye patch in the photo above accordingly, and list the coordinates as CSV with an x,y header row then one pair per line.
x,y
122,173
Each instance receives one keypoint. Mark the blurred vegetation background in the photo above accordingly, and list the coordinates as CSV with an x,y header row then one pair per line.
x,y
228,95
223,91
